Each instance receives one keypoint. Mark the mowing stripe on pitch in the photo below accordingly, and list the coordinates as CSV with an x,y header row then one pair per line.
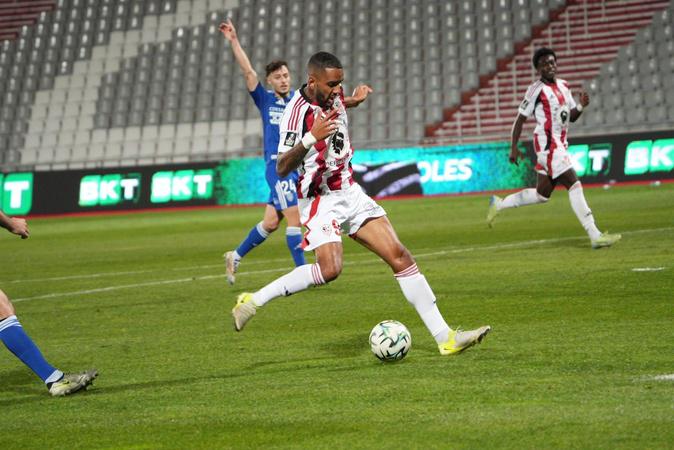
x,y
274,260
369,260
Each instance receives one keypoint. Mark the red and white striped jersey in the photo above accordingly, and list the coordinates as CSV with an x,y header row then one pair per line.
x,y
327,165
551,104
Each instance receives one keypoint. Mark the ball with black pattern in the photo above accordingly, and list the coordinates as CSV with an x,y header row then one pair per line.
x,y
390,340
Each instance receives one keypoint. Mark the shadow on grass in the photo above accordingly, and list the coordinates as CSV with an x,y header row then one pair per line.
x,y
20,382
346,346
335,356
24,384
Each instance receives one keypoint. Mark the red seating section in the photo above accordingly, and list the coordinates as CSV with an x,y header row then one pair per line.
x,y
15,14
585,34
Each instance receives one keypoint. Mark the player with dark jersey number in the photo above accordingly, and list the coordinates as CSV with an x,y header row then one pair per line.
x,y
550,100
315,139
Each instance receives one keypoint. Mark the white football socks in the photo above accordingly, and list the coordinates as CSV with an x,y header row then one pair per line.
x,y
260,229
522,198
237,257
583,212
299,279
419,294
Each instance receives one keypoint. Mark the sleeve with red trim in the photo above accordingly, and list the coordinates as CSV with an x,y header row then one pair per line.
x,y
568,96
291,125
527,106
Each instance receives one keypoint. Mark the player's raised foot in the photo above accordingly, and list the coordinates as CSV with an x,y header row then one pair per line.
x,y
605,240
231,264
244,310
493,209
461,340
73,382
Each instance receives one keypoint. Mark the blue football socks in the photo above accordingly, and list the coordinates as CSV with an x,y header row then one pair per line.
x,y
256,237
19,343
294,241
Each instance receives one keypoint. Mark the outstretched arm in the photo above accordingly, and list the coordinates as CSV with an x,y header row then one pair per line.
x,y
515,154
583,101
324,126
14,225
229,32
359,95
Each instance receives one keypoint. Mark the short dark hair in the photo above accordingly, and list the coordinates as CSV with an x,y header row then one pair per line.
x,y
274,66
324,60
541,52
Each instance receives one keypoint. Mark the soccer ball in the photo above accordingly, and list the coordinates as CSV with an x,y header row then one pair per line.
x,y
390,340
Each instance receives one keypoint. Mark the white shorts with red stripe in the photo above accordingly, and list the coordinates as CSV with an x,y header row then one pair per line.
x,y
553,164
326,216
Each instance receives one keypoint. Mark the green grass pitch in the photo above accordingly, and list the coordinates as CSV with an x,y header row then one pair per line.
x,y
578,341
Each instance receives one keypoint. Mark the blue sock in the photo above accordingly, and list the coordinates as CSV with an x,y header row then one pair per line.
x,y
294,241
256,237
19,343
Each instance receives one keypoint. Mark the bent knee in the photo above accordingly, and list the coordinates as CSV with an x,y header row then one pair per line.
x,y
575,185
331,272
6,307
270,227
543,195
402,259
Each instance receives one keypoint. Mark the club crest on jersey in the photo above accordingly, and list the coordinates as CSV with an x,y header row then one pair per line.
x,y
290,139
327,229
564,114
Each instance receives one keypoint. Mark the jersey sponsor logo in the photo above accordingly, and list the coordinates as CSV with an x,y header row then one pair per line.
x,y
563,114
337,144
336,162
290,139
275,116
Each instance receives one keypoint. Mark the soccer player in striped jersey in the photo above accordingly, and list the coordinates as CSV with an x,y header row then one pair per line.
x,y
551,102
19,343
315,139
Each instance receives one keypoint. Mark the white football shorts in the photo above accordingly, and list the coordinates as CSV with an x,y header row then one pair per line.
x,y
553,165
325,217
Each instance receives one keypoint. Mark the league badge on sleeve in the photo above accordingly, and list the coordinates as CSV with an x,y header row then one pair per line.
x,y
290,139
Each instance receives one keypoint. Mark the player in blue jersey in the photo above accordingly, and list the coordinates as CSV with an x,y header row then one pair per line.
x,y
283,197
19,343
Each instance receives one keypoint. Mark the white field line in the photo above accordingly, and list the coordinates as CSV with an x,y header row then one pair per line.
x,y
369,260
267,261
648,269
135,272
668,377
663,377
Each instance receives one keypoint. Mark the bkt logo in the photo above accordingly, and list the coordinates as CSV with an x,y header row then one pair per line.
x,y
592,159
649,156
109,189
182,185
16,193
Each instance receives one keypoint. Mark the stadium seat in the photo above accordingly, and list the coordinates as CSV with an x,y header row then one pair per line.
x,y
106,64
